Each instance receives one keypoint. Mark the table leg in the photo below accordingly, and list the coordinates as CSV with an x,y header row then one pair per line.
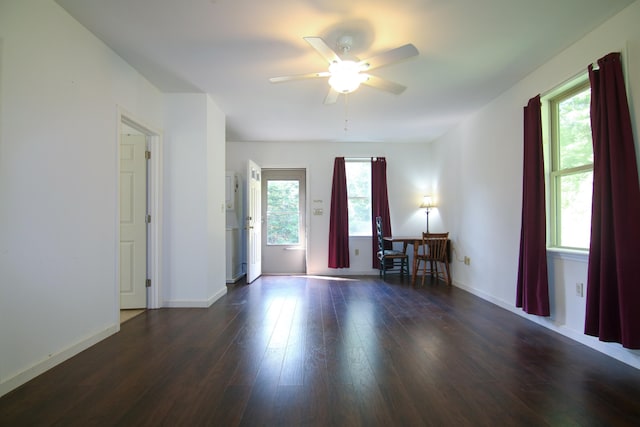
x,y
415,264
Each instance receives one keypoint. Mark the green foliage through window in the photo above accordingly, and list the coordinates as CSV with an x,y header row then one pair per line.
x,y
283,215
359,196
574,129
571,168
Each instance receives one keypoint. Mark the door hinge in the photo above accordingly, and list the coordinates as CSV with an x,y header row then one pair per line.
x,y
148,283
147,219
147,154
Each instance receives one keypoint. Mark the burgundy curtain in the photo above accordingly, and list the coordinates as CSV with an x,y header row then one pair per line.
x,y
613,281
379,203
533,282
339,218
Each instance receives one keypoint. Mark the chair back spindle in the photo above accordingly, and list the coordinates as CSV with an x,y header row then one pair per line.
x,y
434,252
390,260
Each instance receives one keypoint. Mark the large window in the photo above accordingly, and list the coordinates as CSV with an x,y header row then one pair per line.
x,y
571,161
359,196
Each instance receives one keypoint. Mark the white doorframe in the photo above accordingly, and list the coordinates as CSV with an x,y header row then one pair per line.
x,y
154,239
308,203
253,221
289,258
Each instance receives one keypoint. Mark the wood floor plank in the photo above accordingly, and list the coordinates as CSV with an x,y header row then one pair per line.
x,y
328,352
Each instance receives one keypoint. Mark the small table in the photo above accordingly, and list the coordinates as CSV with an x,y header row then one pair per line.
x,y
415,241
406,241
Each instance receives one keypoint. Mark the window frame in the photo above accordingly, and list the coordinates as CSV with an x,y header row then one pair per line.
x,y
368,232
550,121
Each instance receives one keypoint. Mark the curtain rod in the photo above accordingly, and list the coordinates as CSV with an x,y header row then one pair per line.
x,y
583,74
362,159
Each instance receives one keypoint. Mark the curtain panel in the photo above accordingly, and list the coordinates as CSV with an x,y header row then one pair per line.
x,y
379,204
613,279
533,283
339,218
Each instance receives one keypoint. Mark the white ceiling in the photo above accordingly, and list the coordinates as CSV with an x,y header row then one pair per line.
x,y
470,52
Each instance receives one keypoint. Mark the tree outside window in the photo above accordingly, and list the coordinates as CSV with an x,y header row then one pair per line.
x,y
359,196
283,214
571,168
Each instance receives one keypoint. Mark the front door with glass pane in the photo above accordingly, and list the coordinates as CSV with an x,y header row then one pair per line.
x,y
284,244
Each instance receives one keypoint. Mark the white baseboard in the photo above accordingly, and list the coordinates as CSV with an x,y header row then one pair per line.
x,y
184,303
215,297
28,374
55,359
615,350
235,278
337,272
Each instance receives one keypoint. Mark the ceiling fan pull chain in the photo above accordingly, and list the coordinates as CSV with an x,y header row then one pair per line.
x,y
346,112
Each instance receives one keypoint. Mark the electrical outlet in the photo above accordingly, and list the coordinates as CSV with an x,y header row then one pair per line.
x,y
467,260
357,251
579,290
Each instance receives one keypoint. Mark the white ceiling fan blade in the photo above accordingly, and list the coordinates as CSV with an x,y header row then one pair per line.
x,y
323,49
299,77
388,57
332,96
383,84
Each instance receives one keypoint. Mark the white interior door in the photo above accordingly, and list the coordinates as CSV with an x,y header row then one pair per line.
x,y
133,226
254,222
284,246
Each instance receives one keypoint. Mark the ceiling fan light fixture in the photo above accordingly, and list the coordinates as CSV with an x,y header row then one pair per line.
x,y
346,73
345,76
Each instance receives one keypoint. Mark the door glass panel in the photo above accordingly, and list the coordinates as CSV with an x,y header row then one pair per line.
x,y
283,214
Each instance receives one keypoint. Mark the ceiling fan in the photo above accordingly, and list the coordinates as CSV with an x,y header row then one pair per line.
x,y
346,74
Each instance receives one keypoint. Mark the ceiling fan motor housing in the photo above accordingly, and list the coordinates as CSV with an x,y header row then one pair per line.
x,y
345,43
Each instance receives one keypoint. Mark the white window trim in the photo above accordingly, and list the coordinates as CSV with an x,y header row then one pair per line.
x,y
578,80
568,254
368,234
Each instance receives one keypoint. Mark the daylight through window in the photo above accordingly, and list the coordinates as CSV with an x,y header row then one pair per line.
x,y
571,177
283,213
359,196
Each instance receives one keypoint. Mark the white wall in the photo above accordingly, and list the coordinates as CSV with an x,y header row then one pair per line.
x,y
410,170
60,89
194,229
60,92
216,212
482,175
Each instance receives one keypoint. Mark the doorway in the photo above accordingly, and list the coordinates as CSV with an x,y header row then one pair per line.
x,y
284,234
142,184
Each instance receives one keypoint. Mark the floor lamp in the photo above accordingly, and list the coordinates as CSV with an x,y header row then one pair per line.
x,y
427,204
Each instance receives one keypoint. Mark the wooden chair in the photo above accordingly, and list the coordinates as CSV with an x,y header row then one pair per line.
x,y
390,260
433,252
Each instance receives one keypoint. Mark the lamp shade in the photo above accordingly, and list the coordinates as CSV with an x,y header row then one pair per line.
x,y
427,202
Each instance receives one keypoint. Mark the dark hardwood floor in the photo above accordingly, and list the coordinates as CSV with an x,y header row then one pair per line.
x,y
294,351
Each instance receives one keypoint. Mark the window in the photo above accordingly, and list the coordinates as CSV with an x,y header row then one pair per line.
x,y
359,196
283,213
571,161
